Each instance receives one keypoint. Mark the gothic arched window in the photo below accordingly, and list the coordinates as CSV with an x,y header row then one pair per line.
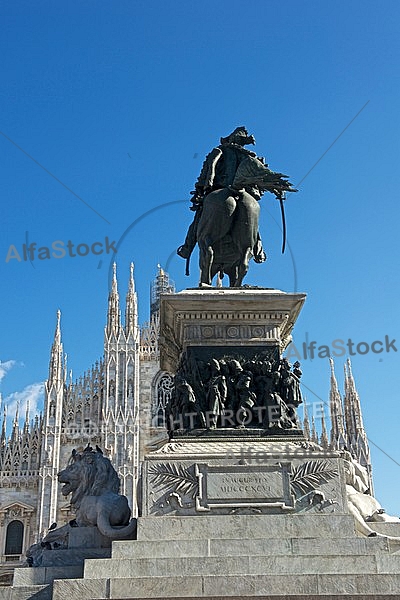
x,y
161,396
14,538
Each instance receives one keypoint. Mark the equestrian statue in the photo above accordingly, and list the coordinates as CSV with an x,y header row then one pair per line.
x,y
226,205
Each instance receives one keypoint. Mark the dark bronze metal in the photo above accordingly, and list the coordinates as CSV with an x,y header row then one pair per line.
x,y
226,205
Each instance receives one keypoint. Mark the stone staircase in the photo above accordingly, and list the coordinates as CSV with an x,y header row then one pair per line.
x,y
268,557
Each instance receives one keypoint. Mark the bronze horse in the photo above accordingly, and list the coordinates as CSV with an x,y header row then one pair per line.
x,y
227,234
227,230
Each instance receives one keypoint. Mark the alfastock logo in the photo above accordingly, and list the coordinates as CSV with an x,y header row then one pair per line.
x,y
310,350
58,249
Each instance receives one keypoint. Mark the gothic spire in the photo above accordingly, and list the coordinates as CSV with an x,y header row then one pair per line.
x,y
26,424
338,436
4,425
314,435
56,355
356,435
114,313
131,280
351,391
348,414
15,425
65,367
131,306
324,436
16,418
306,420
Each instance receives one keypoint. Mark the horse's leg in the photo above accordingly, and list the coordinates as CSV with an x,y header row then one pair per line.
x,y
233,275
244,233
214,224
243,266
206,255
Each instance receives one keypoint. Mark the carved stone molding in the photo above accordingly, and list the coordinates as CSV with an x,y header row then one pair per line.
x,y
237,486
262,479
16,510
225,316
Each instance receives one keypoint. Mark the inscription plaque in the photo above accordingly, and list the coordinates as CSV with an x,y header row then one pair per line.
x,y
236,486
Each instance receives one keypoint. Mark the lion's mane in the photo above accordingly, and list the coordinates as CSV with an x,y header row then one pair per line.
x,y
89,473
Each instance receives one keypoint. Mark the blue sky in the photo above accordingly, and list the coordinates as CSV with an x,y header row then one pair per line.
x,y
121,101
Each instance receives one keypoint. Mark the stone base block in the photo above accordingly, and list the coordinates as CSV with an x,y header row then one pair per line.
x,y
293,597
38,592
252,547
360,584
246,527
80,589
264,587
73,556
238,565
238,476
392,529
44,575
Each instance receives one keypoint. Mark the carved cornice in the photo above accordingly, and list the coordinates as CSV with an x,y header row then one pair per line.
x,y
225,317
15,510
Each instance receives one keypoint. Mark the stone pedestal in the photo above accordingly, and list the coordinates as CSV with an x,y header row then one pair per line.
x,y
225,348
226,345
242,476
221,320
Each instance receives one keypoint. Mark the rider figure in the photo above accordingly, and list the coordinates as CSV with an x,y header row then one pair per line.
x,y
218,172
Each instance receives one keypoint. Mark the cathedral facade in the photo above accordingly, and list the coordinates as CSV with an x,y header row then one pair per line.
x,y
118,405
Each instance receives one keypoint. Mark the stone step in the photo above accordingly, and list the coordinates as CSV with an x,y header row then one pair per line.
x,y
30,592
388,563
236,565
392,529
245,526
42,575
326,587
255,547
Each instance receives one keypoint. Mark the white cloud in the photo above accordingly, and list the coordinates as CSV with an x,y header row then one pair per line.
x,y
5,367
33,393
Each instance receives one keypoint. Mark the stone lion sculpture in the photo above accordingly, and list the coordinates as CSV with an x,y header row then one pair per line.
x,y
94,485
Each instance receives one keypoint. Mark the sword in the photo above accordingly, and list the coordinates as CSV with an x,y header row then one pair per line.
x,y
281,199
